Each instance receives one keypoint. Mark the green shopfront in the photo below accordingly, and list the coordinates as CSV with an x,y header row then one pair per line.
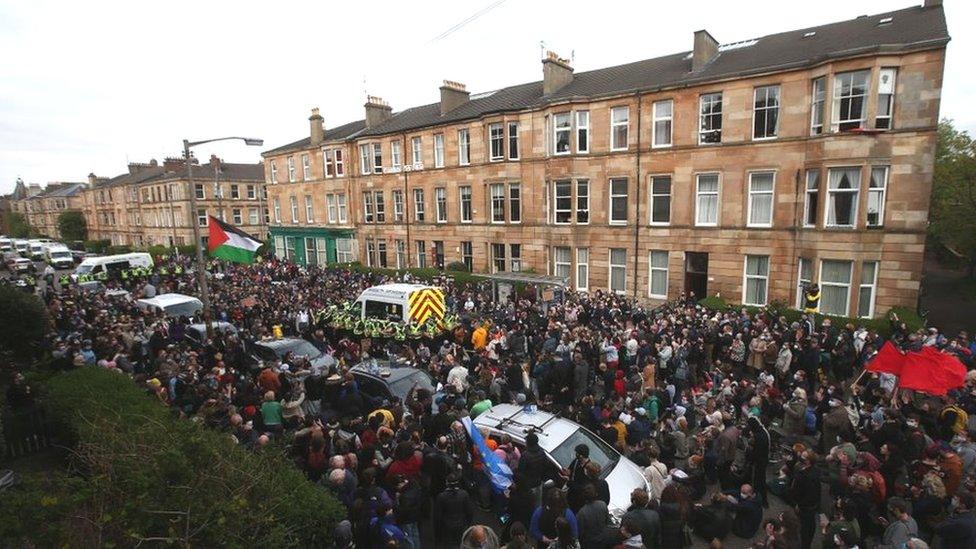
x,y
313,245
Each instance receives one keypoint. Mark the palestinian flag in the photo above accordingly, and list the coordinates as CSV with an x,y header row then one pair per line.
x,y
230,243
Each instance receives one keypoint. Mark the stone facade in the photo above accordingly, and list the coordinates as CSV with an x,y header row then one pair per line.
x,y
43,206
879,173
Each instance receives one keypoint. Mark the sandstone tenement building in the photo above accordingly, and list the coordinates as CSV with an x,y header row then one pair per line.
x,y
745,169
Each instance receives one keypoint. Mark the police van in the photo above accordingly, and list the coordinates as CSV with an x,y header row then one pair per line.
x,y
58,256
407,303
108,266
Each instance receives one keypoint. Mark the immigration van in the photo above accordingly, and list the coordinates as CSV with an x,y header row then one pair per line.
x,y
406,303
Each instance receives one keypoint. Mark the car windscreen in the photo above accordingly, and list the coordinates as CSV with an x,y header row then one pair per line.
x,y
298,347
600,452
401,387
84,269
384,311
61,255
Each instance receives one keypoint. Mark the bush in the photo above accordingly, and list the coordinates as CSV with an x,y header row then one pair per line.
x,y
424,274
713,302
151,475
97,246
114,250
24,322
458,267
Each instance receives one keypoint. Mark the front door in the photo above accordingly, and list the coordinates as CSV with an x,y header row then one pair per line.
x,y
696,274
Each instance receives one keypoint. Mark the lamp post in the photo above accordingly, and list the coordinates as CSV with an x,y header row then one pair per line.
x,y
201,266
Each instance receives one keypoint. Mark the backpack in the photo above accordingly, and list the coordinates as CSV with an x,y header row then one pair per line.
x,y
810,421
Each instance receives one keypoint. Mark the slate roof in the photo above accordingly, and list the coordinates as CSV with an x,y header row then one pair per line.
x,y
344,131
60,190
228,172
908,29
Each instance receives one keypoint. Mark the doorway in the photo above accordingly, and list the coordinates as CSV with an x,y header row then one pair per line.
x,y
696,274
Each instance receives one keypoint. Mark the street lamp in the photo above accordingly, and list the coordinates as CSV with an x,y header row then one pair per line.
x,y
201,266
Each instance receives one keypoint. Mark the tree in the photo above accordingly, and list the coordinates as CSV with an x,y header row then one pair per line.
x,y
953,223
72,226
19,227
25,322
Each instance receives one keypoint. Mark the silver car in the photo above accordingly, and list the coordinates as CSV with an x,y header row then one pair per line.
x,y
558,437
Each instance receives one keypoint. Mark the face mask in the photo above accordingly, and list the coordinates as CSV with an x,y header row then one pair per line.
x,y
743,495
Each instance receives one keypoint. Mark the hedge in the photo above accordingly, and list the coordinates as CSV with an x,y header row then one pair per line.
x,y
423,273
880,325
151,476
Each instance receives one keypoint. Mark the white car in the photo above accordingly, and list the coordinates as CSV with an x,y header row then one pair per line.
x,y
172,305
558,437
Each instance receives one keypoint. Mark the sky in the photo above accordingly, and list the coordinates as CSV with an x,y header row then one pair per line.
x,y
86,87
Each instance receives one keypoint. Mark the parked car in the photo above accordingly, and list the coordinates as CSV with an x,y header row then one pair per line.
x,y
197,333
8,258
21,265
386,382
277,349
558,437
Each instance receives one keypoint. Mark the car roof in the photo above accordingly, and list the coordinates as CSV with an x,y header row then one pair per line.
x,y
396,374
165,300
514,420
275,343
219,324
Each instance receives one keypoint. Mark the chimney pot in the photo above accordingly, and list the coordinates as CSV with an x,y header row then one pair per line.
x,y
706,48
931,3
556,73
316,127
377,111
453,95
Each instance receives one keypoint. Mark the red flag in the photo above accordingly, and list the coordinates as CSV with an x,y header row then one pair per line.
x,y
932,372
888,360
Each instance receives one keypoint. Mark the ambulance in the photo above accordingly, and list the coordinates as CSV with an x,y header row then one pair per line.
x,y
406,303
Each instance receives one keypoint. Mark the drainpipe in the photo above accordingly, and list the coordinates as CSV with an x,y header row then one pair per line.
x,y
406,197
797,224
637,224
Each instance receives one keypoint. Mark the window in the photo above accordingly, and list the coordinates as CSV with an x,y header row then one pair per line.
x,y
381,253
253,217
765,114
660,199
344,249
235,192
811,203
850,93
842,190
322,255
497,191
497,258
710,118
309,216
761,199
368,207
663,113
274,172
418,205
515,251
582,269
561,132
467,255
706,203
370,253
251,192
291,169
619,125
582,131
397,206
496,138
416,153
563,200
198,189
380,207
279,245
582,201
440,199
395,157
561,262
378,159
818,98
804,278
267,217
306,169
835,286
401,254
464,192
311,251
886,99
513,141
618,200
328,162
866,292
618,270
294,209
338,163
658,283
421,253
343,217
876,196
756,280
201,218
364,160
277,210
464,147
514,203
439,150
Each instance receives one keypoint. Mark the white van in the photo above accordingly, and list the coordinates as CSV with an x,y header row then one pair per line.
x,y
6,245
35,250
112,264
22,247
400,303
58,256
172,305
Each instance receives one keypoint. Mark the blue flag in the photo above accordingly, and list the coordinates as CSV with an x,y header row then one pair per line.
x,y
498,471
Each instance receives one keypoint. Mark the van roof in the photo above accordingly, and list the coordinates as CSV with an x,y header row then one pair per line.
x,y
104,258
165,300
396,291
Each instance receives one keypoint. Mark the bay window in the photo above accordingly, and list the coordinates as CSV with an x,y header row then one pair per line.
x,y
396,158
662,115
618,270
439,150
658,281
619,127
563,201
582,201
811,201
835,286
710,118
843,187
497,196
561,132
513,141
804,278
850,100
765,114
866,291
818,99
756,282
496,141
561,262
761,199
464,147
618,200
886,99
660,199
514,203
706,200
582,131
876,196
582,269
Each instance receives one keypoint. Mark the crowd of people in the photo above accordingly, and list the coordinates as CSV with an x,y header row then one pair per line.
x,y
747,426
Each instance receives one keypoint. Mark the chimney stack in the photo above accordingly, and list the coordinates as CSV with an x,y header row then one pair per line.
x,y
931,3
453,95
92,179
316,127
215,161
556,73
706,48
377,111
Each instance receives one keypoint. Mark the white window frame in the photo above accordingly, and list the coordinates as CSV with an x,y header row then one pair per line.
x,y
581,202
309,209
566,129
839,97
421,248
872,286
496,137
582,269
656,195
818,104
651,270
379,201
377,157
615,123
847,293
465,205
235,192
513,140
514,203
417,152
498,260
438,150
419,208
274,172
293,202
365,159
801,282
610,268
343,208
236,214
582,119
710,100
567,265
344,250
855,190
718,199
807,197
746,277
277,210
464,147
291,169
612,220
772,90
881,191
331,210
369,215
396,158
467,254
339,164
753,194
515,257
557,211
400,246
493,201
251,192
306,168
657,118
398,211
440,202
886,97
200,190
